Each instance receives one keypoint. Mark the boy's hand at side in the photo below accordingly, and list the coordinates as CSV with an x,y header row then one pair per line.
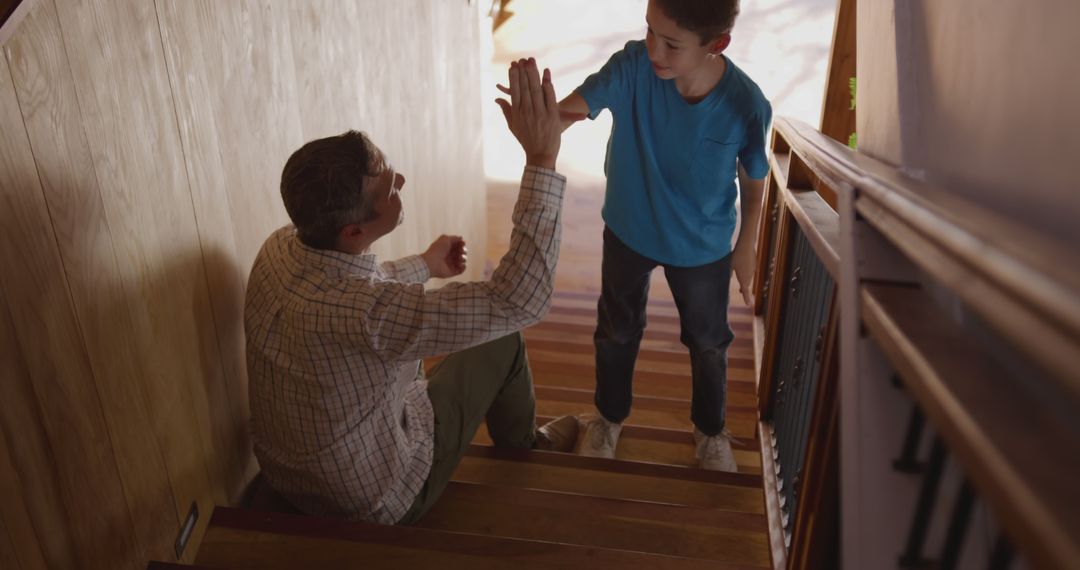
x,y
533,114
446,256
743,261
744,258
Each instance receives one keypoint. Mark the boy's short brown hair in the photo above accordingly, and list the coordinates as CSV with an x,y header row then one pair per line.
x,y
709,19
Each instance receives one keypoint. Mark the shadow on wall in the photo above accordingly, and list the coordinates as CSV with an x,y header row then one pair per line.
x,y
119,414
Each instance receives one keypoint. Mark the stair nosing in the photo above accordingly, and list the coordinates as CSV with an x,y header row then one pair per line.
x,y
412,537
623,466
690,514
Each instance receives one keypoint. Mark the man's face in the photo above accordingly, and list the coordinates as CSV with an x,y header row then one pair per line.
x,y
385,186
674,51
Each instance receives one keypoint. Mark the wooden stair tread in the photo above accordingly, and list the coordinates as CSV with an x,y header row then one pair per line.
x,y
743,425
604,522
587,300
737,403
239,539
584,336
740,380
600,464
568,350
658,445
658,328
739,492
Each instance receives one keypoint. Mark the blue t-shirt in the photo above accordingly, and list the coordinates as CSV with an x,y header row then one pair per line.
x,y
671,165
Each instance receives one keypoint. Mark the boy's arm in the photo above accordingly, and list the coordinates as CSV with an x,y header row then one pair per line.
x,y
744,258
572,109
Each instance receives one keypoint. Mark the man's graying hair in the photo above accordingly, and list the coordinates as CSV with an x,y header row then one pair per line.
x,y
322,186
709,19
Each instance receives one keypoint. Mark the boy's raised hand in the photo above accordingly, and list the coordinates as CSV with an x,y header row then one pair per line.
x,y
533,114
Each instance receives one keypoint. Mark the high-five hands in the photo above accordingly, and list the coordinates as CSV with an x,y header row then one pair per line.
x,y
446,256
532,113
566,118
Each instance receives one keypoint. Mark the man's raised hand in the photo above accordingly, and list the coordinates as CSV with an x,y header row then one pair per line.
x,y
532,114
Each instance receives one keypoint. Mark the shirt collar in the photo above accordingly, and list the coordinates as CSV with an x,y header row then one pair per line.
x,y
331,261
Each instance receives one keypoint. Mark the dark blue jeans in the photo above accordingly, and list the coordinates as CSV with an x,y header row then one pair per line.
x,y
701,295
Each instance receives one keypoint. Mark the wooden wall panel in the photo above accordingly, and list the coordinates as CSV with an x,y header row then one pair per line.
x,y
837,116
877,101
409,80
119,70
978,99
236,110
140,150
16,501
50,111
67,443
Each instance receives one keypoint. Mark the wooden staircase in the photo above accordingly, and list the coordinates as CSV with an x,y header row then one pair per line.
x,y
648,508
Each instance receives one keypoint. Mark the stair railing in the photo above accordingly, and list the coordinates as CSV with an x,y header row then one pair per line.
x,y
940,342
797,328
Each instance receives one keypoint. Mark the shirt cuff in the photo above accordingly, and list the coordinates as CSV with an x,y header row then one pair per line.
x,y
411,269
543,185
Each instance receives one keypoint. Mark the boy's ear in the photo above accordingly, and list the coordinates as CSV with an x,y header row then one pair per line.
x,y
720,44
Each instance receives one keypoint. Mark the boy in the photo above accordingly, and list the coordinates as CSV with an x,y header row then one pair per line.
x,y
686,120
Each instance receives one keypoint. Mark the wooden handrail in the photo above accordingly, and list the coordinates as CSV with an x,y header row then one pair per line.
x,y
1022,284
1018,449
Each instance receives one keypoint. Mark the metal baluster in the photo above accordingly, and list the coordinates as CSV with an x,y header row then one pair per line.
x,y
794,408
784,390
958,524
912,555
908,461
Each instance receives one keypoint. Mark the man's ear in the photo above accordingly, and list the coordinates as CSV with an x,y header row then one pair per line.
x,y
720,44
350,233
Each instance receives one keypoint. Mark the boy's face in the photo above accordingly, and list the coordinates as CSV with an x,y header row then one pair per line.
x,y
674,51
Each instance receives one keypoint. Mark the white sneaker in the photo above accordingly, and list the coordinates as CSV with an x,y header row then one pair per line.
x,y
601,437
559,434
714,452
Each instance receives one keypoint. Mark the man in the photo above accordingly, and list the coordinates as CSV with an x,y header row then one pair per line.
x,y
344,422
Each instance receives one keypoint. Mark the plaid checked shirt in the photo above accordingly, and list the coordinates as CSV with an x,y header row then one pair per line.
x,y
341,420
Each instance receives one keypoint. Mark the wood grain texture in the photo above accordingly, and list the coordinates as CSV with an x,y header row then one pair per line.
x,y
364,66
611,483
358,545
236,110
51,112
820,224
16,501
139,159
120,77
837,116
55,405
12,13
603,522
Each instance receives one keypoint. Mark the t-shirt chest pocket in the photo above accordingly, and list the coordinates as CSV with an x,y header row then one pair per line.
x,y
714,161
